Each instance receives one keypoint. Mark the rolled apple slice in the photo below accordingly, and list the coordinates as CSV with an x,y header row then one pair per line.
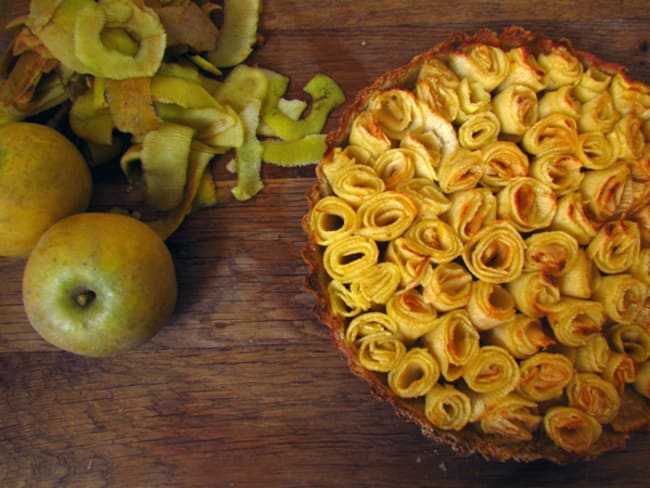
x,y
434,238
622,295
332,219
592,356
627,137
636,197
551,251
504,161
411,263
462,170
642,381
641,167
616,246
641,267
630,339
343,302
563,100
522,336
454,342
524,70
572,217
603,190
436,69
595,150
571,429
492,375
620,370
447,286
598,114
436,86
579,278
470,211
397,111
366,324
415,374
398,166
335,161
545,376
562,172
376,284
496,253
427,196
380,352
366,133
536,293
592,82
438,132
561,67
556,132
356,183
516,108
574,321
386,215
428,147
447,408
642,218
412,314
629,96
347,258
479,130
492,370
489,305
528,203
512,417
481,63
643,317
472,98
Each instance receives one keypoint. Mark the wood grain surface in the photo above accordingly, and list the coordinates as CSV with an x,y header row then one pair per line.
x,y
242,387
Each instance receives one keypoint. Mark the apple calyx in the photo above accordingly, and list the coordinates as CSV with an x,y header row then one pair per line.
x,y
84,298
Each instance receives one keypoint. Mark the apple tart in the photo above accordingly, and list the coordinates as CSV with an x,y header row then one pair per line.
x,y
479,242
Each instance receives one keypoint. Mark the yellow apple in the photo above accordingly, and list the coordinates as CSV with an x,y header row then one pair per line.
x,y
43,178
98,284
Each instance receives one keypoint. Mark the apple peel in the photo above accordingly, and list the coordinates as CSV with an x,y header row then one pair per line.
x,y
244,89
187,24
198,175
183,92
140,22
163,157
131,105
91,122
326,96
54,23
299,152
238,33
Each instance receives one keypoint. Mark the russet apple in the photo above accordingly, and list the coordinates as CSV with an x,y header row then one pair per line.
x,y
43,178
98,284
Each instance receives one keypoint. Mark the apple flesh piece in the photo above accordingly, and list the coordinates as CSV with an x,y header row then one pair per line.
x,y
98,284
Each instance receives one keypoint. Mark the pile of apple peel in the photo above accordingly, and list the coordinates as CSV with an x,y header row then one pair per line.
x,y
161,87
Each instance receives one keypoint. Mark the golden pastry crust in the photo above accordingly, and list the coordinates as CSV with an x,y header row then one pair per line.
x,y
562,272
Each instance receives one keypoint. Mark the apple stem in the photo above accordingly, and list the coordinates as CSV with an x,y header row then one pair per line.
x,y
85,298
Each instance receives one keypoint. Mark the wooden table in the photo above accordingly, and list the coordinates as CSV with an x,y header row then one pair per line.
x,y
242,387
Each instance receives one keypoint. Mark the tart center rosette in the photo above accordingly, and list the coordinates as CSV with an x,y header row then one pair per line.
x,y
479,240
